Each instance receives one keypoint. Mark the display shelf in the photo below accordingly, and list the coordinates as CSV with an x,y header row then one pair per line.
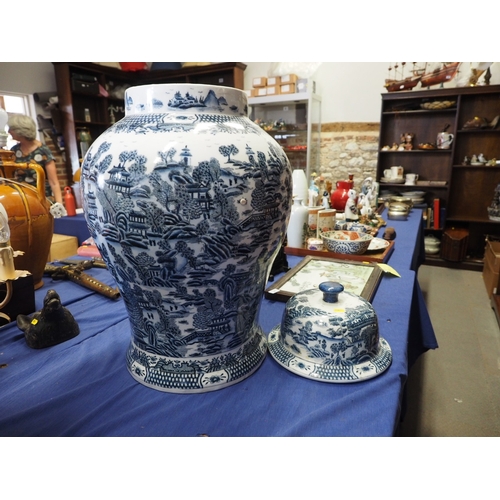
x,y
304,97
468,264
105,107
464,217
300,132
477,167
417,151
468,189
421,111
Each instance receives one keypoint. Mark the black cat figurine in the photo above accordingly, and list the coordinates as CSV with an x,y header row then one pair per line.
x,y
52,325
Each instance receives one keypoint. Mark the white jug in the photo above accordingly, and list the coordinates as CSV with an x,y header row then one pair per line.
x,y
444,140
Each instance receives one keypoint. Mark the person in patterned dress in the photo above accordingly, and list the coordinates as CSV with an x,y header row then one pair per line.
x,y
23,129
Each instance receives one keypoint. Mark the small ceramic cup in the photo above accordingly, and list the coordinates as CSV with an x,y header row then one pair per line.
x,y
326,220
312,221
397,172
411,179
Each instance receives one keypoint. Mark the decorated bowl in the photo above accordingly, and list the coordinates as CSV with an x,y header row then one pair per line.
x,y
347,242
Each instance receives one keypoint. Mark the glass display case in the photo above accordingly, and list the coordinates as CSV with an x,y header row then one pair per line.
x,y
294,120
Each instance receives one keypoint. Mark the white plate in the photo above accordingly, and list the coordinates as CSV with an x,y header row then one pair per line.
x,y
378,244
392,181
413,194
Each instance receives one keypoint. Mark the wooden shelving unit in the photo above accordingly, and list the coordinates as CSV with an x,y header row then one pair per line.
x,y
467,190
73,101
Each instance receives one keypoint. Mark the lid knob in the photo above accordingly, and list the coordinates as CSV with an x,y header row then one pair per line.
x,y
331,290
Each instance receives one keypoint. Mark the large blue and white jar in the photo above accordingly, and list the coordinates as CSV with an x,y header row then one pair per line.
x,y
188,202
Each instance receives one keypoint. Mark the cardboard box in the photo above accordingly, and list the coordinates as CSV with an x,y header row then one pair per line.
x,y
289,78
491,268
62,247
260,81
261,92
305,85
273,80
274,90
252,92
491,279
289,88
492,255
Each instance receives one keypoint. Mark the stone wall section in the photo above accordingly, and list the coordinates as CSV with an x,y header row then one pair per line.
x,y
349,148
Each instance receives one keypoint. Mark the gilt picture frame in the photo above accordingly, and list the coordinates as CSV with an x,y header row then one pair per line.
x,y
361,278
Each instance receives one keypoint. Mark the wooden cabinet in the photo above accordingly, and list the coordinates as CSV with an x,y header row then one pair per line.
x,y
87,95
464,191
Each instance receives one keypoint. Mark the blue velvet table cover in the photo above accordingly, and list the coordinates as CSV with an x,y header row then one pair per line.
x,y
75,225
82,387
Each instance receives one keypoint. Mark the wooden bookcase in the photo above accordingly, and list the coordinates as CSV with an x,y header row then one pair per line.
x,y
464,191
74,101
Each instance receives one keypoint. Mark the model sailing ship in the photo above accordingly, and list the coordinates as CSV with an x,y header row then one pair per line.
x,y
399,82
444,73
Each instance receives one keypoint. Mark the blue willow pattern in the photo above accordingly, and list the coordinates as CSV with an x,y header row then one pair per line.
x,y
184,240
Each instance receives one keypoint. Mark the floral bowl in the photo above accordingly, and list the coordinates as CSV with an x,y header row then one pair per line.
x,y
347,242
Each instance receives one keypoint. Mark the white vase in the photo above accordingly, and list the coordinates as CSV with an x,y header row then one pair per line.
x,y
188,202
297,224
300,187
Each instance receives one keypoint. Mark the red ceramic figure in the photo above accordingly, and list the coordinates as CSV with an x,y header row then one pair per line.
x,y
341,194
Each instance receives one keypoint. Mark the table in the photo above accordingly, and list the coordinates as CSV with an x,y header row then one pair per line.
x,y
75,225
82,387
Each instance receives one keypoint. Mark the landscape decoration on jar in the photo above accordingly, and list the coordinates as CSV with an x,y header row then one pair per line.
x,y
188,202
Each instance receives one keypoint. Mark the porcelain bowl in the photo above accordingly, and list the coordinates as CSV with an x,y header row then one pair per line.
x,y
347,242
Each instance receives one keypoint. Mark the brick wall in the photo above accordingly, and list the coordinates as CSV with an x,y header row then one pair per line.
x,y
62,173
349,148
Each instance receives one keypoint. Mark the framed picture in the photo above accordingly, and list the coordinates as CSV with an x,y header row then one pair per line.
x,y
361,278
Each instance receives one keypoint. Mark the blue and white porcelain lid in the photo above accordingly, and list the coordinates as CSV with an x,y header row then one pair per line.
x,y
330,335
